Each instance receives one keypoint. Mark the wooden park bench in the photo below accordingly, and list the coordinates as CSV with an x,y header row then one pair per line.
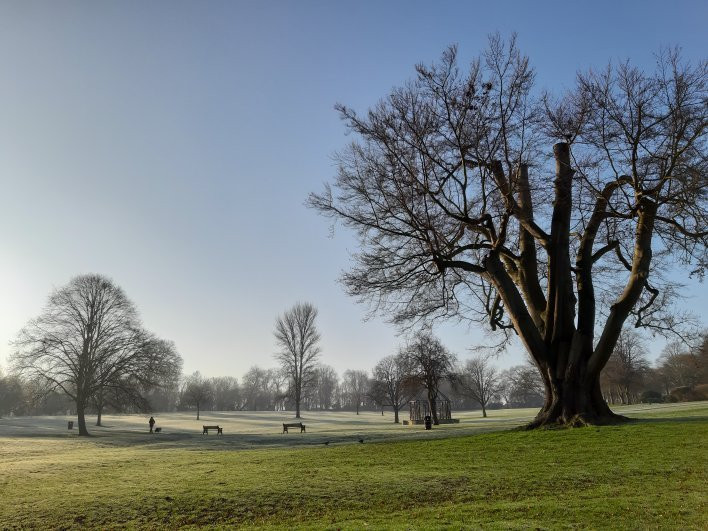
x,y
219,430
294,425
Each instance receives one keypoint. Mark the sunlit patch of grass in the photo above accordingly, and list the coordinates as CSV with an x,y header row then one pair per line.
x,y
646,474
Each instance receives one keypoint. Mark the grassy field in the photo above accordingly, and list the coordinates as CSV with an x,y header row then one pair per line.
x,y
651,473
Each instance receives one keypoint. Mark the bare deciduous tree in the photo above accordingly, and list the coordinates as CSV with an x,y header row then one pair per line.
x,y
681,366
479,380
297,336
431,363
356,387
325,386
265,389
88,341
12,395
392,380
449,193
197,391
624,373
522,386
227,394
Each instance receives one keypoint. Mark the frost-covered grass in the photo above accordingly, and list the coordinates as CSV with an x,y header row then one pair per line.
x,y
646,474
247,429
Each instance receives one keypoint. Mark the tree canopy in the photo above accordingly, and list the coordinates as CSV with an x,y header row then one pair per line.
x,y
89,343
298,339
555,217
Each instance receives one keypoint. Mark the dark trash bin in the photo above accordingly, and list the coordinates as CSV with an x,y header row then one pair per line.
x,y
71,424
428,422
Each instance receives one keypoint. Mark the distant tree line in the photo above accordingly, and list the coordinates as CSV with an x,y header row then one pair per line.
x,y
423,369
679,374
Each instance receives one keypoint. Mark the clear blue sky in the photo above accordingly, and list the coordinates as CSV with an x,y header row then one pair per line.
x,y
171,145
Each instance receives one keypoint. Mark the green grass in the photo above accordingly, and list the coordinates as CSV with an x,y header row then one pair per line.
x,y
647,474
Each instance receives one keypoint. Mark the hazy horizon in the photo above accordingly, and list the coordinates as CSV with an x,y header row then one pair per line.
x,y
170,146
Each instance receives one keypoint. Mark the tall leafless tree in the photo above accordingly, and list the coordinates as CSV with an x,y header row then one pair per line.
x,y
197,391
681,365
279,390
522,386
252,385
227,394
431,363
325,386
12,395
624,372
448,190
298,339
89,341
479,380
356,387
392,380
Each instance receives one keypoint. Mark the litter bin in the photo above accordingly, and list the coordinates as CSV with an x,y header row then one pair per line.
x,y
71,424
428,422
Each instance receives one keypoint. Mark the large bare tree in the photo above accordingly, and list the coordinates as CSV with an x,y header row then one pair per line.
x,y
479,380
297,337
458,213
356,387
431,364
623,375
325,387
88,342
522,386
197,391
392,382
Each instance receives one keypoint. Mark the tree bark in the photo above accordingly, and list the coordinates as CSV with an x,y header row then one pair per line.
x,y
297,402
81,414
433,409
575,399
484,412
98,417
395,415
564,354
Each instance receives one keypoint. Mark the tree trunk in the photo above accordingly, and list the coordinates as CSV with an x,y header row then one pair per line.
x,y
395,415
433,408
298,395
567,355
484,412
197,410
574,400
81,414
99,406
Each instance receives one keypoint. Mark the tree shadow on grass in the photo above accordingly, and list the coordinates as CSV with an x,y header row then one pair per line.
x,y
195,440
643,420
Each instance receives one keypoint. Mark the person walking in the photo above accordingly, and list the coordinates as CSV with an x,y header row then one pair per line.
x,y
152,423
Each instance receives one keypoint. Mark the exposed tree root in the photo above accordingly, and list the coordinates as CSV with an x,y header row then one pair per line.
x,y
579,420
